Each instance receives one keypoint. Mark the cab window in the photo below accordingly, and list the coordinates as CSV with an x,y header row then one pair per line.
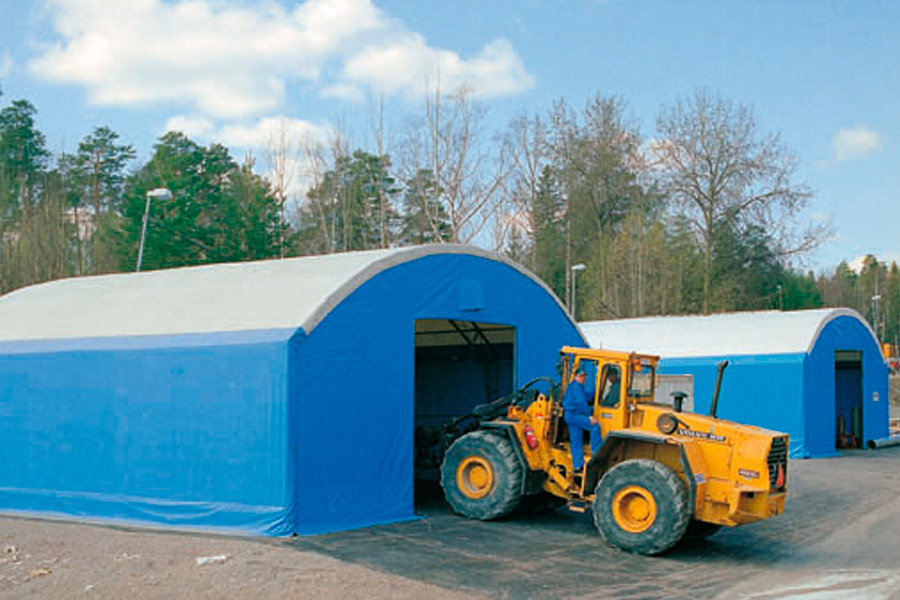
x,y
610,386
641,379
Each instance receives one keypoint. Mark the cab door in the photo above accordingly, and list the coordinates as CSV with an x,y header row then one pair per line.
x,y
609,398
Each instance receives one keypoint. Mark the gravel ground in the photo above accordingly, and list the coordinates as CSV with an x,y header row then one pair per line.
x,y
837,539
54,559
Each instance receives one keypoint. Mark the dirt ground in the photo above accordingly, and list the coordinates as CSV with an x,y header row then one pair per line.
x,y
61,560
839,538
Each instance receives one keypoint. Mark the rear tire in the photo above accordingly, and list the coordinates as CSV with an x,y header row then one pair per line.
x,y
641,506
482,476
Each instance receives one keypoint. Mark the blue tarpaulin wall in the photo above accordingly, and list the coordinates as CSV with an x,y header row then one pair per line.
x,y
191,436
794,393
272,432
360,380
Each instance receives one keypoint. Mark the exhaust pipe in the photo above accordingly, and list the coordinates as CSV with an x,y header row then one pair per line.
x,y
714,407
893,440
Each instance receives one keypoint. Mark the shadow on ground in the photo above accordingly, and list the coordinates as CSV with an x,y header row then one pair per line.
x,y
560,554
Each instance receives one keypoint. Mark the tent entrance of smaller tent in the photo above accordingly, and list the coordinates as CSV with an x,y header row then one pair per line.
x,y
848,402
459,365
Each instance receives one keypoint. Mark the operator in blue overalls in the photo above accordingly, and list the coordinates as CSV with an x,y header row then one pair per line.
x,y
577,411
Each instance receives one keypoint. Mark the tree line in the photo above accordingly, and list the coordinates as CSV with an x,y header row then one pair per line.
x,y
703,216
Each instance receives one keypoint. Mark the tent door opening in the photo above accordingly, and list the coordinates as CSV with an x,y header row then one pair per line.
x,y
848,402
459,365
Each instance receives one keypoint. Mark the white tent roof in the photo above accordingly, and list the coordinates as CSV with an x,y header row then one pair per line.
x,y
272,294
730,334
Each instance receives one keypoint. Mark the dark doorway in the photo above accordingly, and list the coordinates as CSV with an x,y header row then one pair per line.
x,y
848,402
459,365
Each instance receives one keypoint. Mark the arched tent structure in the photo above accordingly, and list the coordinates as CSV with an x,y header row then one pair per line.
x,y
815,374
272,397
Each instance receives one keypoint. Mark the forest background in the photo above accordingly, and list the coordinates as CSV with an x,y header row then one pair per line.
x,y
701,217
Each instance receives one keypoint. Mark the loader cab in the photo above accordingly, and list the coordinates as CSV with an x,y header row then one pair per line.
x,y
616,379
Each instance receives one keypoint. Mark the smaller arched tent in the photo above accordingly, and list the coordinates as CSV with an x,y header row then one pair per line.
x,y
273,397
817,375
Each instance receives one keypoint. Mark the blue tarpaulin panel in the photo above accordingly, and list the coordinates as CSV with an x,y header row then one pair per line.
x,y
357,403
193,437
819,394
755,390
265,432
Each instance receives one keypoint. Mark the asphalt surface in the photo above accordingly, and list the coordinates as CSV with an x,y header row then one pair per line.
x,y
838,538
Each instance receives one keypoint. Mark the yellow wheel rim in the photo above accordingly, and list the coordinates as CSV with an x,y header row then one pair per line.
x,y
634,509
475,477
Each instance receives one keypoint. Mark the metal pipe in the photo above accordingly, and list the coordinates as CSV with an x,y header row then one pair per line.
x,y
715,401
891,440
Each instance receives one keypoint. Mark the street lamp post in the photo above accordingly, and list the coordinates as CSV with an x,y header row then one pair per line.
x,y
575,270
159,194
875,299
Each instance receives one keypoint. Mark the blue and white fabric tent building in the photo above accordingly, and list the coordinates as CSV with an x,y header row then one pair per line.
x,y
274,397
816,374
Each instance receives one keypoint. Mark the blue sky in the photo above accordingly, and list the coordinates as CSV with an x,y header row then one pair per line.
x,y
824,74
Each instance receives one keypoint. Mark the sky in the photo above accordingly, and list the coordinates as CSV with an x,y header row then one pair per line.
x,y
823,74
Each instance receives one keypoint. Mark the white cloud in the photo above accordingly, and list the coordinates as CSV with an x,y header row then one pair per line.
x,y
344,91
886,258
6,64
264,138
271,135
272,131
408,65
198,127
225,60
855,143
230,60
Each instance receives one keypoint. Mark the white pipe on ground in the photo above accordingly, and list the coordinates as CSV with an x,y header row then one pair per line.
x,y
892,440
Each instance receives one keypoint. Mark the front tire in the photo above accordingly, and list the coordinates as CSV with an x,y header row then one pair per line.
x,y
641,506
482,476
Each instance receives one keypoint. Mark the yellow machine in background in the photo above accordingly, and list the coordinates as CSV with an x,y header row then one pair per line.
x,y
660,475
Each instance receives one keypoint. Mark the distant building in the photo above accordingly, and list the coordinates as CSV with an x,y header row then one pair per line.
x,y
816,374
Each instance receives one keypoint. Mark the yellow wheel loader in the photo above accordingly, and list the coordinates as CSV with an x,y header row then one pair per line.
x,y
661,474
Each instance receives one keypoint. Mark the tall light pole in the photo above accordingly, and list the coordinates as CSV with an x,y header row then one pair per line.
x,y
575,270
875,299
159,194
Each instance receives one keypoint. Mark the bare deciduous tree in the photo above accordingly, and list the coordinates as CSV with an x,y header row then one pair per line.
x,y
720,172
527,151
469,177
281,152
326,207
